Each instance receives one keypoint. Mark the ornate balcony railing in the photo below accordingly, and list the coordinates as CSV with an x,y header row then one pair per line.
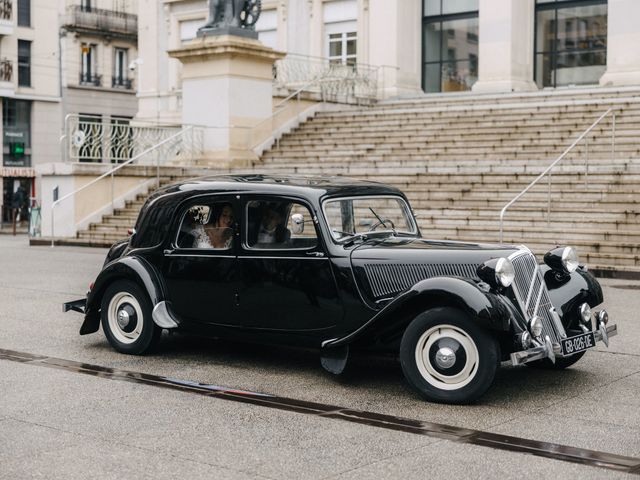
x,y
6,70
101,21
334,81
93,80
121,82
6,9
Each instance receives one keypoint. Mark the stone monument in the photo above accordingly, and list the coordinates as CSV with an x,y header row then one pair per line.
x,y
227,80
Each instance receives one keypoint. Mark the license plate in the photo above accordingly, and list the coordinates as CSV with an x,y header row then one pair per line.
x,y
578,343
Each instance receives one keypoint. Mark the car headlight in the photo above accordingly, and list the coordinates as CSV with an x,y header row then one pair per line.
x,y
563,259
585,313
497,272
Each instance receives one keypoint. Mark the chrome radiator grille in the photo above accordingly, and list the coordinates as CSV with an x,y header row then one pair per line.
x,y
386,280
532,294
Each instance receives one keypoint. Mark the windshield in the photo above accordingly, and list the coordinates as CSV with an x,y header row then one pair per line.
x,y
349,217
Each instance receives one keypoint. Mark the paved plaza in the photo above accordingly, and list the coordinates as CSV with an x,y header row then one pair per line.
x,y
55,423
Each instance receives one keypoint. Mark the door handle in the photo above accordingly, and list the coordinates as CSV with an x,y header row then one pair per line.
x,y
236,299
168,252
315,254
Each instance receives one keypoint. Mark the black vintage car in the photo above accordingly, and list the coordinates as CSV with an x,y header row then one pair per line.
x,y
340,265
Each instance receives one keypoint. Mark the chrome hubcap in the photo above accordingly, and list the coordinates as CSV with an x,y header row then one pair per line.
x,y
123,319
445,358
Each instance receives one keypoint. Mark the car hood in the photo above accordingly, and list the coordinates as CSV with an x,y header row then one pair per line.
x,y
390,266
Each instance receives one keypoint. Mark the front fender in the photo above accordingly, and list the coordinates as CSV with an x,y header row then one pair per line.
x,y
132,268
487,308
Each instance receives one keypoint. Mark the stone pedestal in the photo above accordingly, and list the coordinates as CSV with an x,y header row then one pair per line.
x,y
623,39
506,46
227,90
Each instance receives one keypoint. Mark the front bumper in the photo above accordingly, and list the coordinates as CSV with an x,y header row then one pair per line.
x,y
551,351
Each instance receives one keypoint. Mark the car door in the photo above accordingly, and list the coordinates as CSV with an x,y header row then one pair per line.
x,y
200,267
287,279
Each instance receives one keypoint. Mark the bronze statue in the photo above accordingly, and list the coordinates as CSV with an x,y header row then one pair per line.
x,y
232,13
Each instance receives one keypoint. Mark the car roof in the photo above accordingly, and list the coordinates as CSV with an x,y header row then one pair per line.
x,y
300,185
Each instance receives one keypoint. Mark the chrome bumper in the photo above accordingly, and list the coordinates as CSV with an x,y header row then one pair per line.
x,y
551,351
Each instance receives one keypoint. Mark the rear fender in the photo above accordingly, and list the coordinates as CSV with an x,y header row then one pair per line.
x,y
132,268
488,309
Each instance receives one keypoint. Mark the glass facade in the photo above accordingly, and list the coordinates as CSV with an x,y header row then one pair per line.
x,y
450,45
16,126
571,42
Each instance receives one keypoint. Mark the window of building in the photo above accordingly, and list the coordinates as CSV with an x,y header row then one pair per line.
x,y
120,69
16,127
340,29
343,48
24,13
24,63
85,5
88,65
450,45
267,28
189,29
571,42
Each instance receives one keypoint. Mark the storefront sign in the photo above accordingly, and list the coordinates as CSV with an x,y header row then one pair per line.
x,y
22,172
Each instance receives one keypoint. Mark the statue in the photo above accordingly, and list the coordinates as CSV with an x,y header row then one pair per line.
x,y
236,17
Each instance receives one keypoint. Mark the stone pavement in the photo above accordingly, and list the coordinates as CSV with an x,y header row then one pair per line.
x,y
58,424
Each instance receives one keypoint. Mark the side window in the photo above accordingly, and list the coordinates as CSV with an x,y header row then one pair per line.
x,y
276,225
207,226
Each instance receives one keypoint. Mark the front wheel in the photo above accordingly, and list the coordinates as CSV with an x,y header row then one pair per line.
x,y
447,358
126,318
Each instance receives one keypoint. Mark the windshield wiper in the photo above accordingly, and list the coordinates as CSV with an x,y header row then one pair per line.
x,y
384,222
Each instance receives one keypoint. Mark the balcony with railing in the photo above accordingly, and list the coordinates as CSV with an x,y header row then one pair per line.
x,y
100,21
121,83
90,80
6,17
7,87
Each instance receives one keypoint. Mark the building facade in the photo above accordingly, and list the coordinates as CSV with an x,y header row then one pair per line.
x,y
59,58
418,46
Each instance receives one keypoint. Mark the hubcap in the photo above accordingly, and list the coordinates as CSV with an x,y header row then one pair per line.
x,y
447,357
124,317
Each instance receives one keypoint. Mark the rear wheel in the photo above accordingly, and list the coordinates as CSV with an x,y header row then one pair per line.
x,y
447,358
126,318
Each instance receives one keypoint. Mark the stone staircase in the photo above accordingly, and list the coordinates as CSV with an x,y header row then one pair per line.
x,y
461,158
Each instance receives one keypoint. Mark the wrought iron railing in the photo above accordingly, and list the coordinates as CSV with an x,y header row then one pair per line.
x,y
121,82
6,9
112,140
6,70
101,20
547,172
334,81
87,79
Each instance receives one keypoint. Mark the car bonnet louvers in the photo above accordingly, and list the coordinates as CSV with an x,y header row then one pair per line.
x,y
532,295
390,279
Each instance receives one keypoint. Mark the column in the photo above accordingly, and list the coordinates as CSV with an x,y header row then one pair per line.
x,y
505,51
623,41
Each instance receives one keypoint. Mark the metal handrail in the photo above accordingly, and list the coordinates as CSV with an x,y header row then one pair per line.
x,y
279,107
110,173
553,164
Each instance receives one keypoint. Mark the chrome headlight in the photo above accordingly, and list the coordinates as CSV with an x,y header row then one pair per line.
x,y
564,259
497,272
585,313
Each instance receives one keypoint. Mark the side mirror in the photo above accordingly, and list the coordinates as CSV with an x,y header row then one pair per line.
x,y
297,223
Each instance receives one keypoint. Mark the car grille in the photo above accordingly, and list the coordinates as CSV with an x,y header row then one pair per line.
x,y
532,295
386,280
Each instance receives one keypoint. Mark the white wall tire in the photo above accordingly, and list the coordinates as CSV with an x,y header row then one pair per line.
x,y
447,358
126,318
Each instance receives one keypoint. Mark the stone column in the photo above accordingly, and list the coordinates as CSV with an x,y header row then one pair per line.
x,y
394,45
227,90
505,50
623,44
